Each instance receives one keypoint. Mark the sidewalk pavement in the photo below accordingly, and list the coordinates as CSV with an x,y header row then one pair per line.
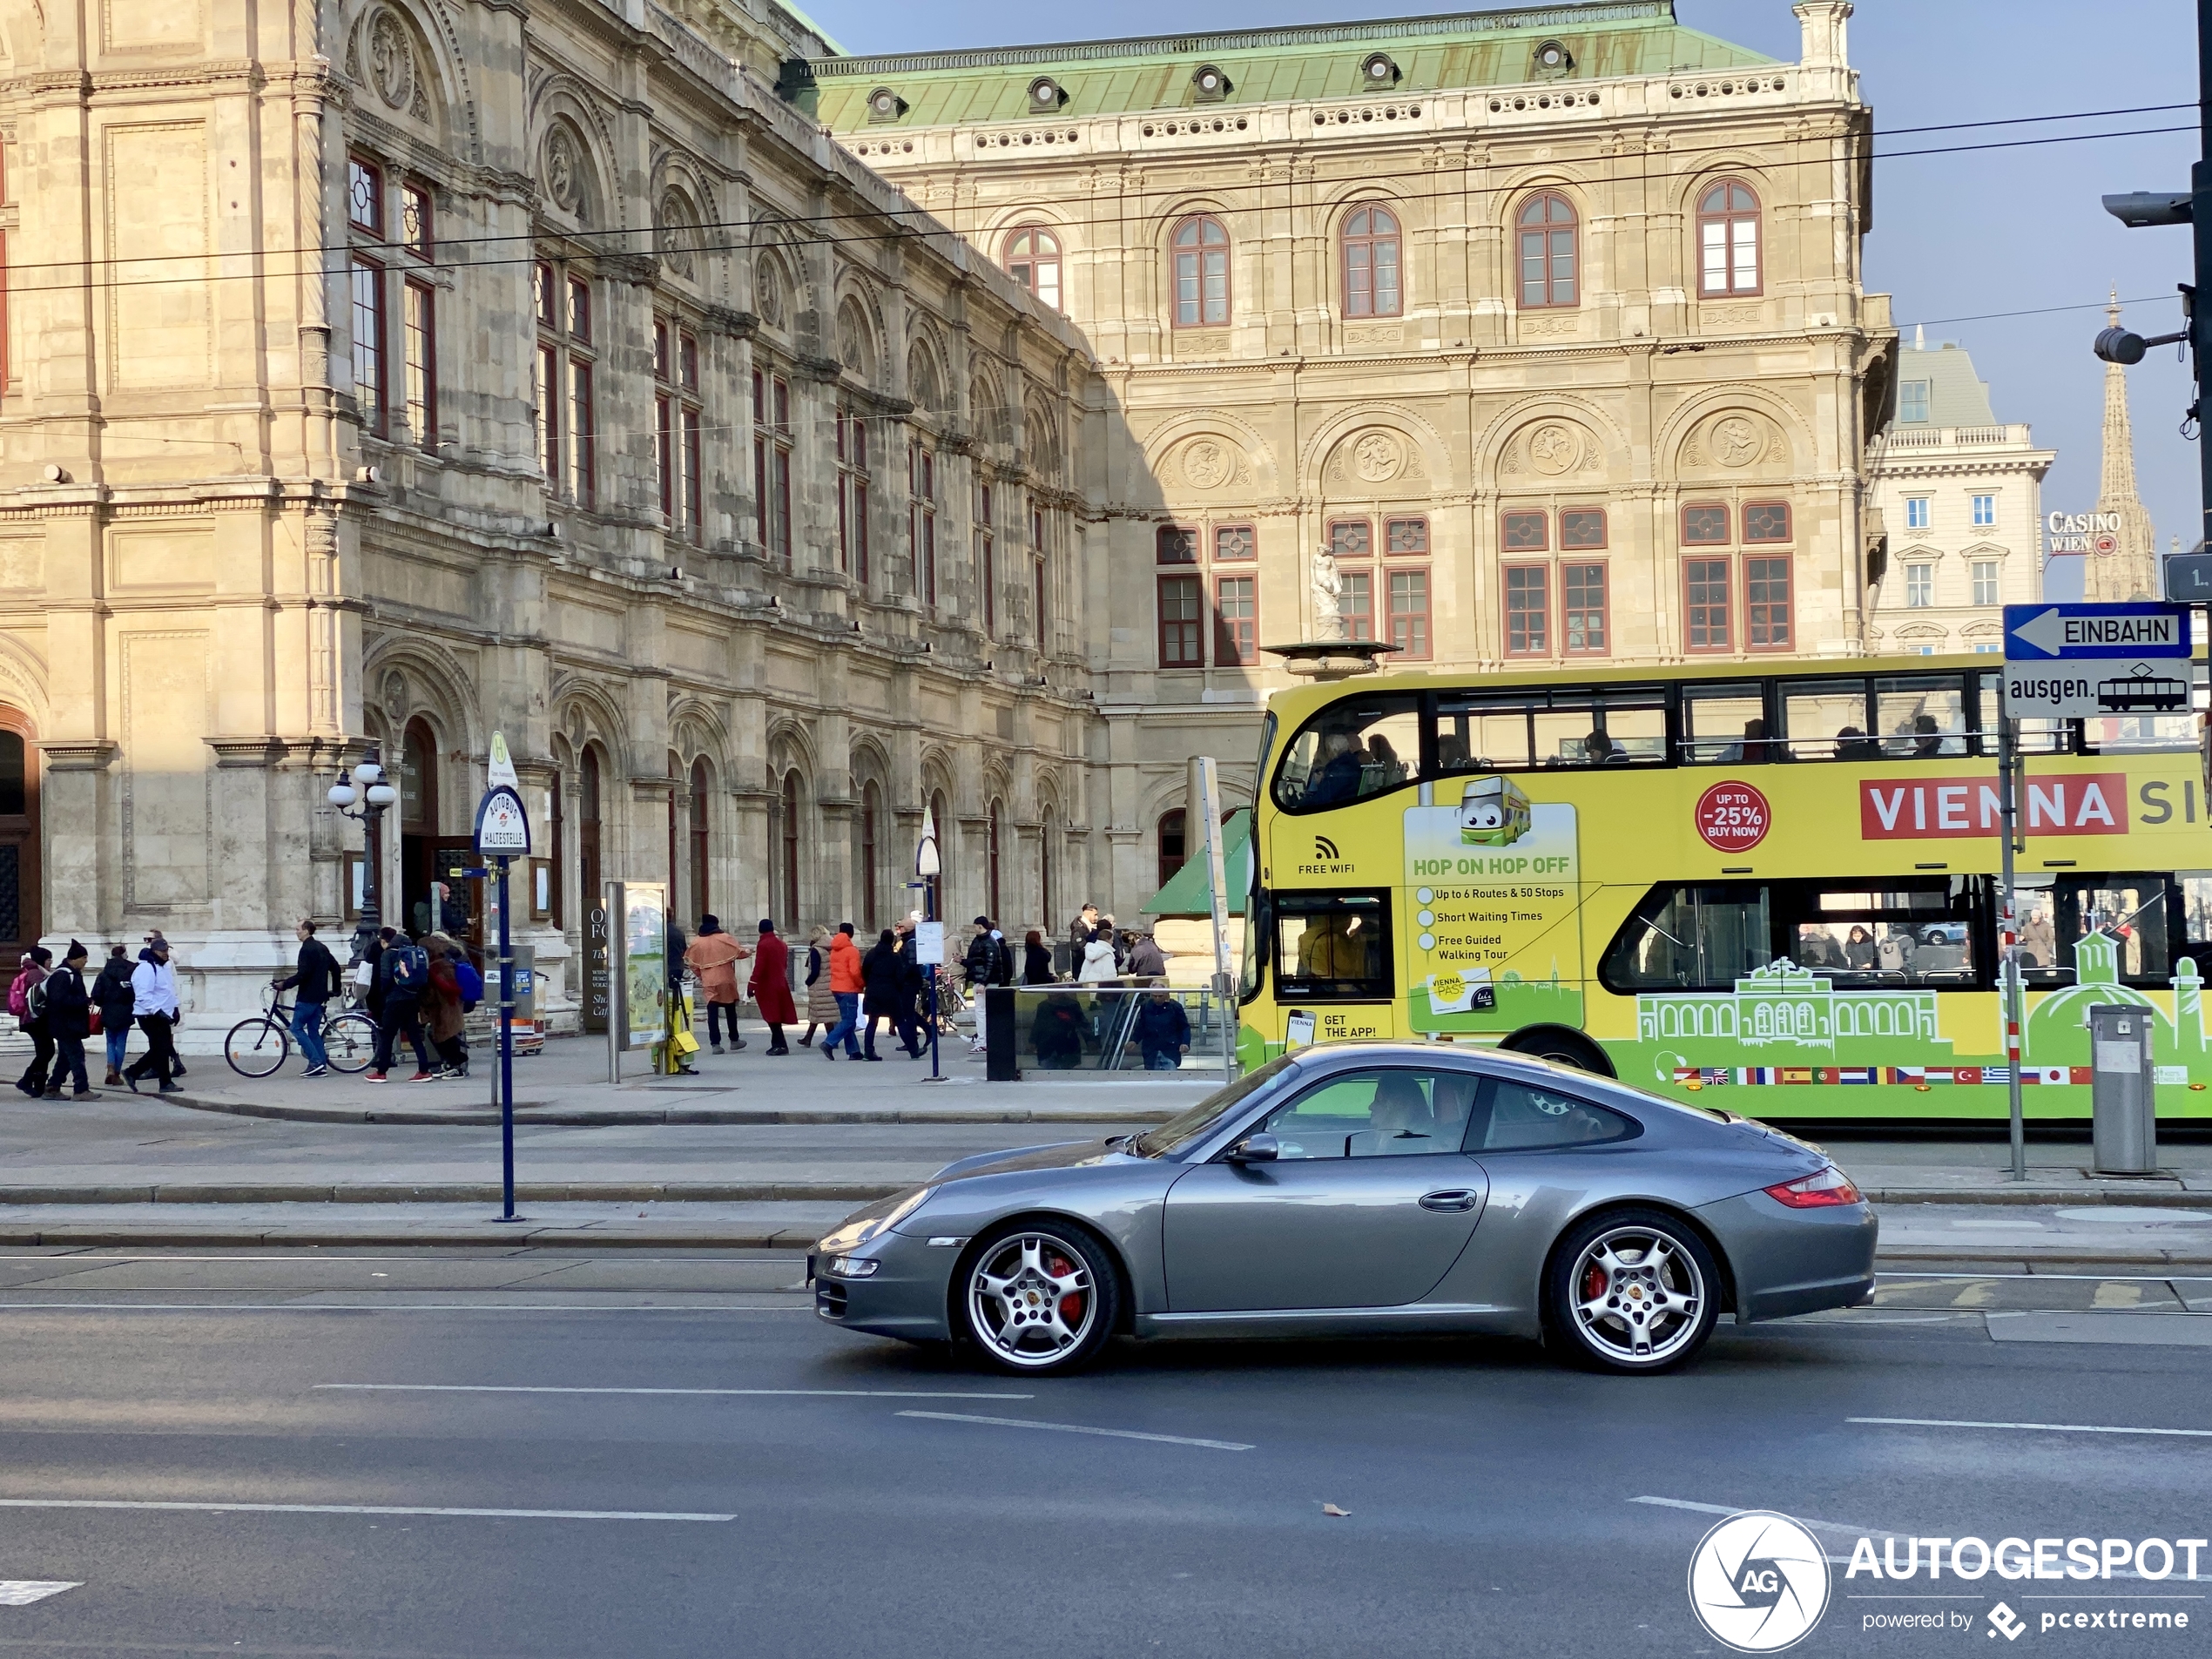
x,y
567,1084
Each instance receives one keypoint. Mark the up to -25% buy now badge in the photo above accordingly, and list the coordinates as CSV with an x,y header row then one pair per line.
x,y
1733,817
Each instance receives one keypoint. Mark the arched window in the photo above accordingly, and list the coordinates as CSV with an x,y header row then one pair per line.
x,y
788,862
419,780
944,825
1728,238
20,887
1046,836
991,864
1370,263
871,852
589,894
1172,851
556,874
1547,253
700,906
1201,272
1033,260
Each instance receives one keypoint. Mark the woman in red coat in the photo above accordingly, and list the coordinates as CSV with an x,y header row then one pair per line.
x,y
771,986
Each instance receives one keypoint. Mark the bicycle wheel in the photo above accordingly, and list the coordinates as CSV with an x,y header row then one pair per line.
x,y
256,1048
350,1040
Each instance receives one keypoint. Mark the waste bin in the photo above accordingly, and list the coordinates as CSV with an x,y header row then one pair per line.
x,y
2124,1103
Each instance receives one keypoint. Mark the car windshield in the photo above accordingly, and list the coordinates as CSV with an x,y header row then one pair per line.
x,y
1180,1130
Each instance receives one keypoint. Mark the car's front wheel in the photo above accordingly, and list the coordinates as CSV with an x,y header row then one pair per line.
x,y
1632,1290
1037,1299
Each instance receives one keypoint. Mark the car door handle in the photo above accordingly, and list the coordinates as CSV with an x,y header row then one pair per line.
x,y
1453,1199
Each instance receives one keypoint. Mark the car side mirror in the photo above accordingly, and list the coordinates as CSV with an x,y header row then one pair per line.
x,y
1256,1148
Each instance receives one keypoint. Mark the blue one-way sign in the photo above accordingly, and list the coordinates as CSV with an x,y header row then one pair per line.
x,y
2055,633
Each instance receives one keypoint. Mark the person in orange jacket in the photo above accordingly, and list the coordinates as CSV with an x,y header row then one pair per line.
x,y
845,985
714,955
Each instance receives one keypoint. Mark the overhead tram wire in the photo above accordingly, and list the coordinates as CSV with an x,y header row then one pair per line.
x,y
778,230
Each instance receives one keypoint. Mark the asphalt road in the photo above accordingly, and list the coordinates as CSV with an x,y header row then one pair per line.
x,y
1496,1504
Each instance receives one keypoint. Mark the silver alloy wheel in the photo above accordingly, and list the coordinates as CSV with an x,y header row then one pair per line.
x,y
1019,1296
1638,1295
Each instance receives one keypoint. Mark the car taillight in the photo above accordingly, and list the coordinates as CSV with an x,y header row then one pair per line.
x,y
1817,1190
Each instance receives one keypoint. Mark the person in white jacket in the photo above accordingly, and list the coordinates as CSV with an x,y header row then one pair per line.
x,y
1098,960
153,1004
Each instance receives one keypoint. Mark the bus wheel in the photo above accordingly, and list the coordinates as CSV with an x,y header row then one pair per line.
x,y
1561,1046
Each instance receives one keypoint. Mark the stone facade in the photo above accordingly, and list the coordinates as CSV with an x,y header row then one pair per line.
x,y
1516,455
383,372
1960,498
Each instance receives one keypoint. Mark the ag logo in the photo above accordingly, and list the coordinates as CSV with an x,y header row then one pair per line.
x,y
1326,850
1758,1583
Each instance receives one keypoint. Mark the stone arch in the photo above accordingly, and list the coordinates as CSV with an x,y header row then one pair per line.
x,y
775,285
926,379
1680,440
588,712
23,681
446,105
856,339
1178,431
676,220
1041,438
988,415
572,155
407,673
1423,461
1518,417
1715,166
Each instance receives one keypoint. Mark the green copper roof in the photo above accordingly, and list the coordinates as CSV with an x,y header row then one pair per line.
x,y
1606,39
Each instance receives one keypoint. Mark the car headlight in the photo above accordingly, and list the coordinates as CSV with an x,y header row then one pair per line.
x,y
852,1267
854,1234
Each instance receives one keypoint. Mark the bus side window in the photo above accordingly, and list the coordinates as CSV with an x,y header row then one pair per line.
x,y
1922,717
1361,746
1332,946
2130,913
1826,720
1691,938
1724,725
2196,917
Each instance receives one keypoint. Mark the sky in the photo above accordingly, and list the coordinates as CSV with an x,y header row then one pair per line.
x,y
1956,237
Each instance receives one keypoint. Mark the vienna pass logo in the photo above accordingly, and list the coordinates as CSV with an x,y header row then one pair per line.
x,y
1758,1583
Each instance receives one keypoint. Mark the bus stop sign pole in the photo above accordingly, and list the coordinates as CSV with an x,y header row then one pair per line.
x,y
502,831
2008,770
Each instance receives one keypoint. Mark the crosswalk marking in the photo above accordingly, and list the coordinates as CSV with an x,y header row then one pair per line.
x,y
22,1592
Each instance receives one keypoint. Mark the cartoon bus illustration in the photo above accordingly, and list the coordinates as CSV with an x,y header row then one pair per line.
x,y
1492,812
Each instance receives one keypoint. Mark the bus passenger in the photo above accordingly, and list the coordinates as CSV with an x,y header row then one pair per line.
x,y
1927,737
1753,746
1851,743
1599,750
1859,949
1451,752
1339,777
1384,759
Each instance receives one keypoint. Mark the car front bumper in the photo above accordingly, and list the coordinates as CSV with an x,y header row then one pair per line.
x,y
905,1296
1791,1261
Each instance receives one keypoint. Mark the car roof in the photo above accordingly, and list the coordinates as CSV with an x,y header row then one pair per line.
x,y
1321,1058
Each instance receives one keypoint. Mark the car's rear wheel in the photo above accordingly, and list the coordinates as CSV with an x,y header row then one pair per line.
x,y
1632,1291
1037,1299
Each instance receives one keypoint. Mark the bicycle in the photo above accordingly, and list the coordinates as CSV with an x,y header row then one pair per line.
x,y
258,1046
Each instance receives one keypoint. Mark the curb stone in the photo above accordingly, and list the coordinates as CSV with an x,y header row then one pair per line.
x,y
571,1118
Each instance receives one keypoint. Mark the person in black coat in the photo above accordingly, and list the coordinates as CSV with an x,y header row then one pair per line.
x,y
914,990
1036,960
880,974
68,1021
112,995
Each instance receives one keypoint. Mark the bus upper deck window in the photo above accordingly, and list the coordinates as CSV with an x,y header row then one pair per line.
x,y
1920,718
1827,720
1724,725
1351,749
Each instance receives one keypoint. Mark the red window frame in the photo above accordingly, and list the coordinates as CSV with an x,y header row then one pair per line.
x,y
1727,216
584,471
1584,615
987,573
360,172
1370,249
1351,538
1237,633
416,233
1525,530
1175,545
1707,582
1695,535
1405,538
1409,624
1527,589
1767,523
1235,543
1356,604
1769,596
1540,225
1183,635
372,391
1583,529
1032,258
1201,248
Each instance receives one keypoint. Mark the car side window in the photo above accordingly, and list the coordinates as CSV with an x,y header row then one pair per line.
x,y
1383,1111
1518,1117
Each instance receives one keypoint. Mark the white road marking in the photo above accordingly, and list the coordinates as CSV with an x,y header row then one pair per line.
x,y
2044,1428
1080,1428
217,1507
22,1592
741,1393
1738,1509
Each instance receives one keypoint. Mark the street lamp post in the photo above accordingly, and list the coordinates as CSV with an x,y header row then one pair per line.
x,y
365,790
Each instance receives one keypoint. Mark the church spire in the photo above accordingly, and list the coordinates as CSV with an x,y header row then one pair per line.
x,y
2130,569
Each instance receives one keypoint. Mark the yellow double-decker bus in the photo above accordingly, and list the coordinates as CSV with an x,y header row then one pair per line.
x,y
1780,879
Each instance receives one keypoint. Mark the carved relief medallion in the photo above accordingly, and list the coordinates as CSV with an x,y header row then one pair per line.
x,y
1555,448
391,61
564,171
1736,441
1377,457
1206,465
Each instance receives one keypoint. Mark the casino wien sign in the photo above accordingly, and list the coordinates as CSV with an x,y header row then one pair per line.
x,y
2082,532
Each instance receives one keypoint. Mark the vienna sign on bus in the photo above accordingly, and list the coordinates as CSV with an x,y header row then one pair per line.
x,y
2070,662
2082,532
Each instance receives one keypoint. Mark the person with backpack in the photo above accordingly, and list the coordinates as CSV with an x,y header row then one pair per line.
x,y
27,1001
988,961
444,1016
317,978
69,1021
153,996
402,981
111,994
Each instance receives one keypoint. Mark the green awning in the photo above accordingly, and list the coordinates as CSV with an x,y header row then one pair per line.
x,y
1186,892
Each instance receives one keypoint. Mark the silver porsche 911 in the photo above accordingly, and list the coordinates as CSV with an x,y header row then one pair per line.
x,y
1368,1187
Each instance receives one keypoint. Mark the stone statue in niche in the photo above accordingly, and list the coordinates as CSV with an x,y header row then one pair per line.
x,y
391,61
1328,593
564,171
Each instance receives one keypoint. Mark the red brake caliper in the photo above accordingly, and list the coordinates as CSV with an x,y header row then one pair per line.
x,y
1071,1305
1593,1283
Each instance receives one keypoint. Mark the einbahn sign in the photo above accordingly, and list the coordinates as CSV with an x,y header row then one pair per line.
x,y
2065,662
